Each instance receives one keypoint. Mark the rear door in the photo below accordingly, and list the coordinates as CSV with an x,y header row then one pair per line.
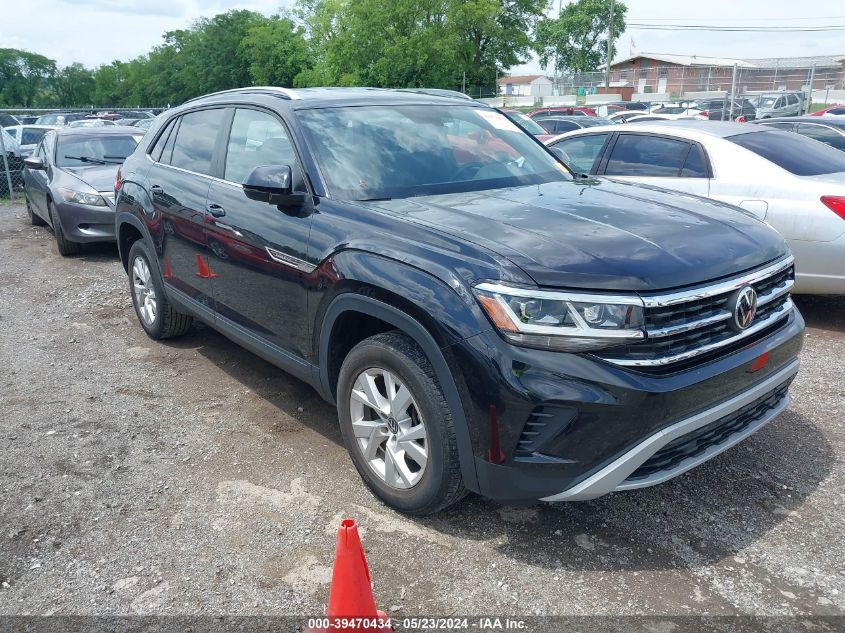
x,y
258,250
651,159
179,179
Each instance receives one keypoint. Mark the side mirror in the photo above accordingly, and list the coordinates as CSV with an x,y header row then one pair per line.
x,y
562,156
33,162
272,184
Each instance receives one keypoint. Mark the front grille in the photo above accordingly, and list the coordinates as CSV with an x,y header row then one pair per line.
x,y
718,432
692,326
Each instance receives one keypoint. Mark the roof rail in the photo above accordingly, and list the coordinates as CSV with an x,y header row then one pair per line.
x,y
285,93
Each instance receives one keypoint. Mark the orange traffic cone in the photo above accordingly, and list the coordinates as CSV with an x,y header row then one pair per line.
x,y
351,595
203,270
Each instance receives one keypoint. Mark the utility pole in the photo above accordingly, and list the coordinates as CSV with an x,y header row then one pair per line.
x,y
609,46
810,89
733,95
464,83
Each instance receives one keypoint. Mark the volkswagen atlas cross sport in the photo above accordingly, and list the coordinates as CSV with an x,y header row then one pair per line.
x,y
482,319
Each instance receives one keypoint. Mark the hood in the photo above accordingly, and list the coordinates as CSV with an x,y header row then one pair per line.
x,y
100,177
597,234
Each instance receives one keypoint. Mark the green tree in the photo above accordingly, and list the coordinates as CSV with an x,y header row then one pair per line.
x,y
577,39
74,85
492,35
275,51
24,77
111,84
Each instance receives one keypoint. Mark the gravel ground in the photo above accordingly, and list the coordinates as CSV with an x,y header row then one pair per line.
x,y
192,477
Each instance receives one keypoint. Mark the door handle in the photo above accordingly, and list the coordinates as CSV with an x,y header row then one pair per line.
x,y
156,190
216,210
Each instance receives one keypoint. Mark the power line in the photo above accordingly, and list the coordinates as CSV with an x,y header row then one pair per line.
x,y
790,19
734,29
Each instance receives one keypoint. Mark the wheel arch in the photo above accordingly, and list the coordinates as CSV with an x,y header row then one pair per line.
x,y
347,304
129,229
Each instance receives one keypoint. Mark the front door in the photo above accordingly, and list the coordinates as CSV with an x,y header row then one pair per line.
x,y
35,181
258,250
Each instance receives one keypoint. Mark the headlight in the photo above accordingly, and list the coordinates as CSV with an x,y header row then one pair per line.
x,y
563,321
82,197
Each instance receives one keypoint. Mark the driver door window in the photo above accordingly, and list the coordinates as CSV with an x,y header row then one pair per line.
x,y
583,151
256,139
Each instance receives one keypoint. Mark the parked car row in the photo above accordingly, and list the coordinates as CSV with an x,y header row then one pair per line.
x,y
795,184
484,319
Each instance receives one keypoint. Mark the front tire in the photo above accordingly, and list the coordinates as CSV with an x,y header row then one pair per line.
x,y
34,218
65,246
397,425
156,314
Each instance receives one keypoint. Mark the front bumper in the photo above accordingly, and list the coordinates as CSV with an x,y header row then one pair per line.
x,y
84,223
618,474
554,426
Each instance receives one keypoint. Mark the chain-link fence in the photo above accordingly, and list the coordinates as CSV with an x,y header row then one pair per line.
x,y
820,84
23,128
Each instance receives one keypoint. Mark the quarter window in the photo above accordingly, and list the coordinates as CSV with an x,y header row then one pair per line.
x,y
823,134
195,139
650,156
163,139
583,151
256,139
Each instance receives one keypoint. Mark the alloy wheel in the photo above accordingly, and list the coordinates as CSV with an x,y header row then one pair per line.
x,y
389,428
145,295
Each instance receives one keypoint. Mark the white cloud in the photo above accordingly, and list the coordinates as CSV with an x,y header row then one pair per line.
x,y
96,32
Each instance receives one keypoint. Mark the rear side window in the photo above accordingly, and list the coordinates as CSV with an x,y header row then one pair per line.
x,y
792,152
636,155
195,139
823,134
559,127
582,151
695,166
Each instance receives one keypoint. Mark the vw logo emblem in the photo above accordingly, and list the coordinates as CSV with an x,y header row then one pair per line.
x,y
393,425
745,307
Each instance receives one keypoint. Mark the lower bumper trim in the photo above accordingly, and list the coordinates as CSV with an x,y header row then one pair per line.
x,y
614,476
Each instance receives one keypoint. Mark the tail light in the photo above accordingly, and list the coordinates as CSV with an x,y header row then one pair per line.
x,y
117,181
740,119
835,204
704,114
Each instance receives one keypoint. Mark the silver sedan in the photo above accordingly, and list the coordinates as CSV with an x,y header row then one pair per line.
x,y
795,184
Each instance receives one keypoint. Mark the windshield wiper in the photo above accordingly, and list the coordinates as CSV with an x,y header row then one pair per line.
x,y
120,158
88,159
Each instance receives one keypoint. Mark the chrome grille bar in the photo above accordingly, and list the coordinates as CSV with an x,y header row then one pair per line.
x,y
675,358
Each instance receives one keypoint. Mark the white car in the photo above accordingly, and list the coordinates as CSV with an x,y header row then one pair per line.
x,y
27,137
794,183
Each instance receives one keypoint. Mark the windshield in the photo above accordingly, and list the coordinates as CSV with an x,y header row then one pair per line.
x,y
766,102
793,152
78,151
525,121
378,152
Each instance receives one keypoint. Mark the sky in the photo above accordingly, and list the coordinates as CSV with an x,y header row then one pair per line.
x,y
98,31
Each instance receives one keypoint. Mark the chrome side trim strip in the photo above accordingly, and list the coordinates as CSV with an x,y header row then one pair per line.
x,y
693,294
613,476
295,262
668,360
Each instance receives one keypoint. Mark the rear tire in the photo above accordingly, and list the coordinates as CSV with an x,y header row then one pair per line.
x,y
65,246
156,314
392,471
34,218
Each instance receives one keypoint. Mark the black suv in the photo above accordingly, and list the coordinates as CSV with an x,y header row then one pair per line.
x,y
483,319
